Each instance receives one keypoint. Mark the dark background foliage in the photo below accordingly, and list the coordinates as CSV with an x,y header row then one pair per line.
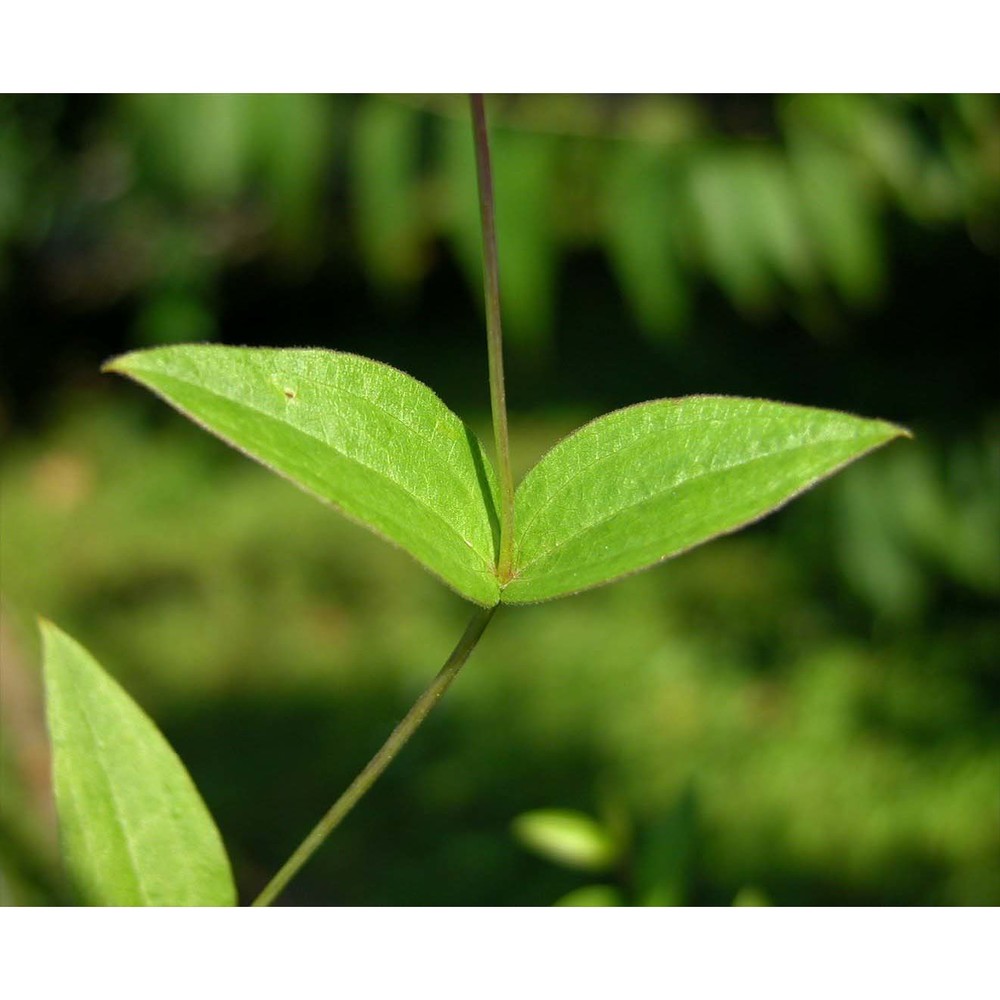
x,y
804,713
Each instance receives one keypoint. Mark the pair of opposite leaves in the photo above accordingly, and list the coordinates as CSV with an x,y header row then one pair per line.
x,y
627,490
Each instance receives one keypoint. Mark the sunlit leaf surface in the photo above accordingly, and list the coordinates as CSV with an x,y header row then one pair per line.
x,y
374,442
647,482
133,827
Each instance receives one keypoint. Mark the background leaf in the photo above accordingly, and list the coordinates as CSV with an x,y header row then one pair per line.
x,y
384,177
666,854
775,214
134,829
643,224
650,481
839,216
374,442
293,138
730,244
524,168
592,895
567,837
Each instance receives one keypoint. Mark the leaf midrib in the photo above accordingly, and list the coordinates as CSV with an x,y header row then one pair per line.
x,y
565,485
471,494
116,806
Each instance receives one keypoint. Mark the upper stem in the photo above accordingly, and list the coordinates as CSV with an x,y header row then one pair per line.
x,y
494,337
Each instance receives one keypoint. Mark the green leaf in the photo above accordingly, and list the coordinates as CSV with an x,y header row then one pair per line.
x,y
592,895
839,217
385,165
455,168
567,837
642,228
524,170
294,139
199,145
727,233
776,215
376,444
650,481
750,895
665,854
134,830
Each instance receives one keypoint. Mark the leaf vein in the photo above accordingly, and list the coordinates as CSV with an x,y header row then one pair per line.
x,y
116,806
668,489
418,432
617,450
452,530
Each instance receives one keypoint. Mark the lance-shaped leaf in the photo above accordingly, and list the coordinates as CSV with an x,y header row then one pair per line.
x,y
378,445
645,483
134,829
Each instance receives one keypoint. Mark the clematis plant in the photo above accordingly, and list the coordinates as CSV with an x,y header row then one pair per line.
x,y
623,493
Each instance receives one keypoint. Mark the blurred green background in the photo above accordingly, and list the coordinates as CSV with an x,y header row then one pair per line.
x,y
805,713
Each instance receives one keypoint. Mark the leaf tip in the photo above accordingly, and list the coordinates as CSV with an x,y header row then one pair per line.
x,y
891,432
115,365
52,637
48,629
132,361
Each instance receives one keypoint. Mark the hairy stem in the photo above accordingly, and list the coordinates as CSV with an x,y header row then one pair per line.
x,y
494,336
374,768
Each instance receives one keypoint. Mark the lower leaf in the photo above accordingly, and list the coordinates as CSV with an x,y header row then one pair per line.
x,y
134,830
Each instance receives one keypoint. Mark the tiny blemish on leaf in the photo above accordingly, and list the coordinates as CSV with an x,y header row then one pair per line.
x,y
289,392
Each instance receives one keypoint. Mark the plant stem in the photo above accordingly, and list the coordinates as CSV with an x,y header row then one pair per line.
x,y
397,740
494,336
